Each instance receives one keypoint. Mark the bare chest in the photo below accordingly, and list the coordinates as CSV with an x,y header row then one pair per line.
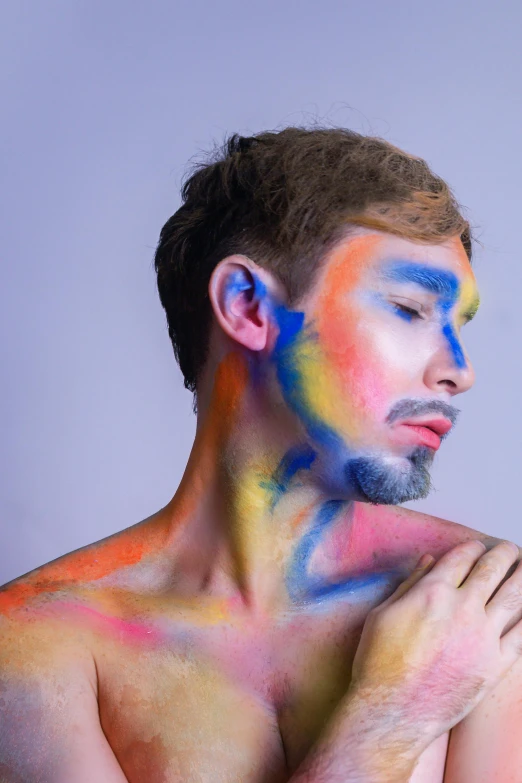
x,y
230,704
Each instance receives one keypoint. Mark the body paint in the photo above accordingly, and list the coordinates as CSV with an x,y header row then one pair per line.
x,y
445,285
86,565
297,458
304,587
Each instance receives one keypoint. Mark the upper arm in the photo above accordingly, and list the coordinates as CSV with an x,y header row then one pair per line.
x,y
49,722
486,746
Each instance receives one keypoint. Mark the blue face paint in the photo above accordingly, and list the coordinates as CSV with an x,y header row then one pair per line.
x,y
441,282
448,330
291,323
437,281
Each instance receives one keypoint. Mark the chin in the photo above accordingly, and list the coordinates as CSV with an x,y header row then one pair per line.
x,y
390,480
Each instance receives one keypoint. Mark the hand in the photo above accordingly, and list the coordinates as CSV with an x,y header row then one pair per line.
x,y
431,651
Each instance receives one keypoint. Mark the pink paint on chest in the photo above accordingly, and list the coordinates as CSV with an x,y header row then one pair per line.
x,y
124,630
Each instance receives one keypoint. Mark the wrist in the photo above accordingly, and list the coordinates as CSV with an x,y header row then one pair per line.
x,y
381,743
366,741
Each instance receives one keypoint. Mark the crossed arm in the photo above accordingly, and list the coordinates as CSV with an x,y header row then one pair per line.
x,y
50,728
486,746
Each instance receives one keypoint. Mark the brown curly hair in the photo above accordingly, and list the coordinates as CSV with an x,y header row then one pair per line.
x,y
283,199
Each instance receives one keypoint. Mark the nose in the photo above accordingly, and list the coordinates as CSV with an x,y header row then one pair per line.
x,y
449,370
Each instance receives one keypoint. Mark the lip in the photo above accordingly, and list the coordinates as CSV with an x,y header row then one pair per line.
x,y
426,431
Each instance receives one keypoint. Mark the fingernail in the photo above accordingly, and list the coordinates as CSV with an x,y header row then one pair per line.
x,y
424,561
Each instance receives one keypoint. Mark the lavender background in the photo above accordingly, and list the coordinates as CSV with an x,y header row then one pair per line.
x,y
103,103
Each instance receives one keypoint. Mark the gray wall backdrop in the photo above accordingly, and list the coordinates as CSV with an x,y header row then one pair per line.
x,y
103,103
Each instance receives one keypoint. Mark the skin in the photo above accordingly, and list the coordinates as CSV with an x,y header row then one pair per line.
x,y
214,640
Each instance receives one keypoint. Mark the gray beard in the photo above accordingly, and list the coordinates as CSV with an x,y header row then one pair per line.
x,y
377,480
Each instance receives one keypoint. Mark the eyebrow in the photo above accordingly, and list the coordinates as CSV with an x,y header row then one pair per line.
x,y
437,281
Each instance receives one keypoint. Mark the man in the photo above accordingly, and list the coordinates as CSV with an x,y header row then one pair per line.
x,y
315,283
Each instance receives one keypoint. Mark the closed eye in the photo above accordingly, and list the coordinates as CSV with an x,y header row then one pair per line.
x,y
410,311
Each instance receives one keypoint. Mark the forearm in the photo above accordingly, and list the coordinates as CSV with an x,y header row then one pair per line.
x,y
362,744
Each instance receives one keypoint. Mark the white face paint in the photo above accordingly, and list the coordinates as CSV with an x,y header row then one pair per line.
x,y
385,318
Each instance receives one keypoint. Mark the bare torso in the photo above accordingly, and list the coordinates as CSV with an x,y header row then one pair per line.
x,y
230,708
197,688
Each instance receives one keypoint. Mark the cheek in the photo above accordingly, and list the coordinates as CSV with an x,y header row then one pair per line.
x,y
359,358
401,353
352,368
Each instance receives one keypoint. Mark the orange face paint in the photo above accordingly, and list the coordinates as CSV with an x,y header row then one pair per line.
x,y
360,384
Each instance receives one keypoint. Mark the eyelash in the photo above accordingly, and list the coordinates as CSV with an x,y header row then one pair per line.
x,y
409,310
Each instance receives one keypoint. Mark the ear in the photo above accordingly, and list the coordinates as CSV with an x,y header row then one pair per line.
x,y
239,291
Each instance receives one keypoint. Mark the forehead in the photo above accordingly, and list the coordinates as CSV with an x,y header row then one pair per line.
x,y
375,253
368,256
369,260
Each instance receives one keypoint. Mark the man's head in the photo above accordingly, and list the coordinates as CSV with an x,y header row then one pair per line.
x,y
343,264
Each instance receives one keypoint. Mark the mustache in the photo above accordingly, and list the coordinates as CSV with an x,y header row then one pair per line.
x,y
411,408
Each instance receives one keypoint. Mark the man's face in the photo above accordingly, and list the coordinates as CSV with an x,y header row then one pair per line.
x,y
371,359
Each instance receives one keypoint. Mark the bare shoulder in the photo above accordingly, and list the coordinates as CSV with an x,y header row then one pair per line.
x,y
50,727
91,566
454,531
48,672
425,532
39,635
38,649
47,684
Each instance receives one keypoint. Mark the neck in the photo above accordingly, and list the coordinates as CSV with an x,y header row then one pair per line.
x,y
250,519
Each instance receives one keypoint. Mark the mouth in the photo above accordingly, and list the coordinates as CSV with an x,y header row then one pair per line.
x,y
424,431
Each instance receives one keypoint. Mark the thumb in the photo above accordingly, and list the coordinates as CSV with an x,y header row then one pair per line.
x,y
423,566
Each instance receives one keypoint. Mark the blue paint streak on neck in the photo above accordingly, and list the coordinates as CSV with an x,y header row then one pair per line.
x,y
296,458
290,325
307,589
299,583
437,281
357,584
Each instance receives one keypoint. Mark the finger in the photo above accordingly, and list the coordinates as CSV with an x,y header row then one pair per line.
x,y
511,644
504,609
488,572
423,566
454,565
